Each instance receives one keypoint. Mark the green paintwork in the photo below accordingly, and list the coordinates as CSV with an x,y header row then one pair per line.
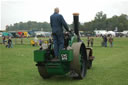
x,y
57,68
73,39
68,53
39,55
61,67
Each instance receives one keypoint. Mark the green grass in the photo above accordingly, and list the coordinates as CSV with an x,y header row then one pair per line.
x,y
110,66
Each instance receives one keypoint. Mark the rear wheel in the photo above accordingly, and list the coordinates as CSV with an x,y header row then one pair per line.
x,y
43,72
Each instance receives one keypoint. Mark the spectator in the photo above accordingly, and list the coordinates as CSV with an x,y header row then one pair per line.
x,y
102,43
91,41
9,43
111,41
105,41
4,40
36,41
88,41
40,42
32,43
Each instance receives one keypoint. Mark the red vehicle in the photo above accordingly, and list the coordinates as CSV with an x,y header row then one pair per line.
x,y
21,34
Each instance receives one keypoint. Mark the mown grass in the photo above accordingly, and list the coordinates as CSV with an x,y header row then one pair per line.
x,y
110,66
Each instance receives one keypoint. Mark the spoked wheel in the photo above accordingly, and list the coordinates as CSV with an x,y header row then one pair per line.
x,y
79,63
43,72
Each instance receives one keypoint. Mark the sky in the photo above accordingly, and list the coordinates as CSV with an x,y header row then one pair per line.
x,y
15,11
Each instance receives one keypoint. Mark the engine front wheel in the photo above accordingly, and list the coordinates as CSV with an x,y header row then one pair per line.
x,y
89,65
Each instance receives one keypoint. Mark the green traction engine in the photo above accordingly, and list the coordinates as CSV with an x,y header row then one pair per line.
x,y
74,59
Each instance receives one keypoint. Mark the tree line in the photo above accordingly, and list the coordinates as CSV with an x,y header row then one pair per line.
x,y
100,22
30,25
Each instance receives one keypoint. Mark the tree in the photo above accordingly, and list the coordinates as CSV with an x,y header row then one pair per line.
x,y
100,21
100,16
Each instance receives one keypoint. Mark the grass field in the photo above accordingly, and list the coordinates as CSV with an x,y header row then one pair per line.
x,y
110,66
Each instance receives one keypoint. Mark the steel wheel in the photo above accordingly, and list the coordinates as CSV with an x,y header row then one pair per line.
x,y
89,64
79,63
43,72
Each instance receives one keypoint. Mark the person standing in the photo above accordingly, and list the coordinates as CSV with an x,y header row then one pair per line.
x,y
105,41
9,42
4,40
88,41
40,42
36,41
57,23
102,42
111,41
91,41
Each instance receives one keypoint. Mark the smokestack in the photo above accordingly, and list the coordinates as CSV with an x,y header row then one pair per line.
x,y
76,24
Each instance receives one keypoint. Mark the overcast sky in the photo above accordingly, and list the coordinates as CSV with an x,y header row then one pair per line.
x,y
14,11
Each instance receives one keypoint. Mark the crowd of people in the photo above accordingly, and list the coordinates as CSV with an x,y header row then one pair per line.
x,y
7,42
90,41
107,39
37,42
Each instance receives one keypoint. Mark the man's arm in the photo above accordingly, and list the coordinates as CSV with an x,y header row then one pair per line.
x,y
64,23
50,21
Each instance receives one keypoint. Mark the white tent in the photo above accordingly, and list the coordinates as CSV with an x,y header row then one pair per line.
x,y
125,32
39,33
100,32
111,33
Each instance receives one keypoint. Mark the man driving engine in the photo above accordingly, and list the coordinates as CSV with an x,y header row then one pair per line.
x,y
57,23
